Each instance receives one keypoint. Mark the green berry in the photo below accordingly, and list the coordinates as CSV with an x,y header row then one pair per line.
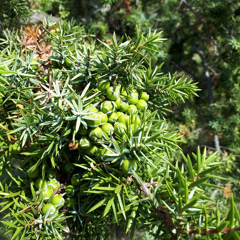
x,y
124,106
76,179
83,188
123,119
58,200
70,202
132,109
135,118
46,193
92,150
119,113
144,96
82,131
108,107
34,174
133,97
128,165
119,128
113,117
69,167
104,117
113,93
70,190
118,103
51,174
95,133
103,85
85,142
40,183
53,184
108,128
141,104
94,121
48,207
98,154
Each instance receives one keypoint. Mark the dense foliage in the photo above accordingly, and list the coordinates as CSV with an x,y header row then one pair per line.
x,y
86,140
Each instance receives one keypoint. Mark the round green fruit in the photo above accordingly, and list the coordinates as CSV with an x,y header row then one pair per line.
x,y
70,190
123,92
92,150
104,117
76,179
133,97
99,153
108,128
93,110
85,143
119,128
46,193
95,133
58,200
48,207
123,119
108,107
135,118
133,127
113,93
95,121
103,85
118,103
83,188
51,174
53,184
144,96
132,109
70,202
69,167
40,183
34,174
113,117
141,104
83,131
124,106
128,165
119,113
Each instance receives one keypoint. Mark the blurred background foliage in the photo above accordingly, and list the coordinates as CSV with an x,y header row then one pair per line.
x,y
202,43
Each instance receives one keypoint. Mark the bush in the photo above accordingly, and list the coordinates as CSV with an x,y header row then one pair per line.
x,y
83,147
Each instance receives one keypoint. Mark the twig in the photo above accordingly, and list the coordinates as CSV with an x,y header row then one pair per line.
x,y
210,94
205,231
161,211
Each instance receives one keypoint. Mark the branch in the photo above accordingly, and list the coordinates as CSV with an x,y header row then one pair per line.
x,y
205,231
161,211
210,94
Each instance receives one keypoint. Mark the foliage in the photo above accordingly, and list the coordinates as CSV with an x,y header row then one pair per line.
x,y
13,13
50,88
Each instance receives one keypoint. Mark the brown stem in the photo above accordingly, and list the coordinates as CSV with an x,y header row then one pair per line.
x,y
205,231
161,211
